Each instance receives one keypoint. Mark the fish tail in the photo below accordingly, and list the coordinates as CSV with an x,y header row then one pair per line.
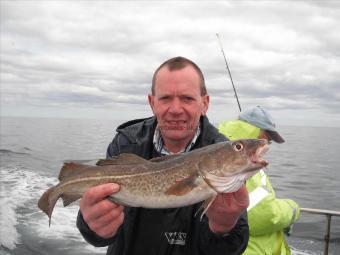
x,y
47,202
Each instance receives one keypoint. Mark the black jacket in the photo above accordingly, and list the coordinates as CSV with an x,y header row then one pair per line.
x,y
183,232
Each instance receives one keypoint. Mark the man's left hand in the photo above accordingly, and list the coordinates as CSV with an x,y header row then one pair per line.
x,y
224,212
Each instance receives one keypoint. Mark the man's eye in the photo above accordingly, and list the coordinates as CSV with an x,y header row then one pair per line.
x,y
188,99
164,98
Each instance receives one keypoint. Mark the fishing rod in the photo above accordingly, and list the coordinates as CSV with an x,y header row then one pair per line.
x,y
226,63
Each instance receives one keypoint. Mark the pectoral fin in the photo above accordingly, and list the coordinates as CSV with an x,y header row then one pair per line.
x,y
183,186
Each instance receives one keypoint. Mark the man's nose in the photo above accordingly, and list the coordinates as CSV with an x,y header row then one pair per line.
x,y
176,106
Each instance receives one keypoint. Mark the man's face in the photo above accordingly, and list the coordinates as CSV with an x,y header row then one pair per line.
x,y
178,103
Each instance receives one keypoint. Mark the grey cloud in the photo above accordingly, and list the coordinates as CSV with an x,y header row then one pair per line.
x,y
283,54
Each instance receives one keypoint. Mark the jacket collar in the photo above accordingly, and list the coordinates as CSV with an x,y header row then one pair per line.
x,y
140,131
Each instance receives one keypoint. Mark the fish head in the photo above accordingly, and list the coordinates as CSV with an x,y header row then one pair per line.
x,y
241,156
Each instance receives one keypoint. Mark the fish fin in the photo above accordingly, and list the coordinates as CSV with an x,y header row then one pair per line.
x,y
205,206
122,159
69,198
183,186
165,158
71,169
47,202
116,201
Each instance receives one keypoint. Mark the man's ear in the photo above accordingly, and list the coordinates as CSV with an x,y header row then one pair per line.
x,y
205,102
151,100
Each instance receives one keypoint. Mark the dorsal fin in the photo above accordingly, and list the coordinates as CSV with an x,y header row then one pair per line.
x,y
122,159
165,158
71,169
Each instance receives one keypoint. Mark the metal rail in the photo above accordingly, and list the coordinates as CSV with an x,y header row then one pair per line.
x,y
329,215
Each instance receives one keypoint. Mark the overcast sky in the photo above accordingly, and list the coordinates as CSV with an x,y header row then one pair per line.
x,y
95,59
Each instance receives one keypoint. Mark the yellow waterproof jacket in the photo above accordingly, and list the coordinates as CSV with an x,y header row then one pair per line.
x,y
268,216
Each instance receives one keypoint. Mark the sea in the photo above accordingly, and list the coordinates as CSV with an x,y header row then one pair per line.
x,y
32,150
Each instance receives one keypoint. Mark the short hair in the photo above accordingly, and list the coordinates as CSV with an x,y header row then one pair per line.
x,y
178,63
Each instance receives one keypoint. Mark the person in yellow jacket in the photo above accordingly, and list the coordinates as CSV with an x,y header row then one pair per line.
x,y
268,217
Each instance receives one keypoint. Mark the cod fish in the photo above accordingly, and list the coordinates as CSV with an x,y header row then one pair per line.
x,y
165,182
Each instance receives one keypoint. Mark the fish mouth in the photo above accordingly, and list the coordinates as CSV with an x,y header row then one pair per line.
x,y
256,158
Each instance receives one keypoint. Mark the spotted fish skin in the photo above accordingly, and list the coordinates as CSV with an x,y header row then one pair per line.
x,y
165,182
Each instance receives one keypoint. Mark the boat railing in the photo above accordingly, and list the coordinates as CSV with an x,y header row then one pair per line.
x,y
328,215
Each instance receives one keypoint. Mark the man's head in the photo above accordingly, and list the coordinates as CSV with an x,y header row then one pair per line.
x,y
178,100
261,118
178,63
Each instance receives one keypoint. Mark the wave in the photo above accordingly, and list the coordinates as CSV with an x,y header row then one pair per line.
x,y
8,203
81,161
6,151
24,225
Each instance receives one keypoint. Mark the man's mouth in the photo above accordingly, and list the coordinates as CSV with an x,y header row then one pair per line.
x,y
176,122
175,125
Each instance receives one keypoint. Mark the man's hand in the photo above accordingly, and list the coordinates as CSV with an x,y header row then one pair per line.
x,y
101,215
226,209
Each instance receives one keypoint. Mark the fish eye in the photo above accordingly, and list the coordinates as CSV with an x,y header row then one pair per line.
x,y
237,146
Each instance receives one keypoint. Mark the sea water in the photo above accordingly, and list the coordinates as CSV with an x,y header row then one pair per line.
x,y
32,151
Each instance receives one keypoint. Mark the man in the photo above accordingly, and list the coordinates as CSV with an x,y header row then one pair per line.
x,y
268,216
179,101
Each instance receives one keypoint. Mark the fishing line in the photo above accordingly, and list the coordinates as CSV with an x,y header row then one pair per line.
x,y
226,63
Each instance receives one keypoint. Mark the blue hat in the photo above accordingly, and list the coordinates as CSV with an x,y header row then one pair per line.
x,y
260,118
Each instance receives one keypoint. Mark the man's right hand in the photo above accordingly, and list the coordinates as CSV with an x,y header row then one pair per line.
x,y
101,215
